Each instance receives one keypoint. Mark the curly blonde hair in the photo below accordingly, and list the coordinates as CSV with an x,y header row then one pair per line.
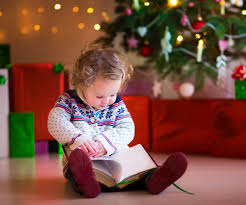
x,y
108,63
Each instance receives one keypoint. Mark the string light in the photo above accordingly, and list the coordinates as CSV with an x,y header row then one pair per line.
x,y
198,36
2,35
97,27
57,6
40,10
173,3
24,30
244,12
81,26
105,16
75,9
90,10
36,27
180,38
54,29
24,12
146,3
1,13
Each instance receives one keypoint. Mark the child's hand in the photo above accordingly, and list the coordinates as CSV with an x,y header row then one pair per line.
x,y
102,150
90,146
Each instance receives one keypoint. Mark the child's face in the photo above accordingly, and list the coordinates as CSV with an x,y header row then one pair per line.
x,y
101,93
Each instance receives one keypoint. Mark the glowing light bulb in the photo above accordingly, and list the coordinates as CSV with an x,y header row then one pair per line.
x,y
36,27
81,26
54,30
244,12
173,3
97,27
2,35
180,38
1,13
75,9
198,36
40,10
105,16
24,12
57,6
146,3
24,30
90,10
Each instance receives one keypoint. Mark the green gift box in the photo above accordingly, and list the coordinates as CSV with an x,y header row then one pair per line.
x,y
240,89
21,127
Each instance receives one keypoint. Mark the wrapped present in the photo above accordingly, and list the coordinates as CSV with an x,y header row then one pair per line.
x,y
4,113
240,89
21,126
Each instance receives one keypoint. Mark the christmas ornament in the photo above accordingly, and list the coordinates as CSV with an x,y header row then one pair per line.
x,y
132,42
157,88
142,31
128,11
221,63
238,3
166,46
186,90
2,79
146,50
230,42
198,25
191,4
58,68
184,20
239,72
199,51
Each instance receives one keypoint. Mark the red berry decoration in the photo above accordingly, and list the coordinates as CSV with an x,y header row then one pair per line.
x,y
146,50
197,25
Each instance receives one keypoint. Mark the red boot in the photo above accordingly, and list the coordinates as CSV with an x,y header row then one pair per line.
x,y
170,171
81,167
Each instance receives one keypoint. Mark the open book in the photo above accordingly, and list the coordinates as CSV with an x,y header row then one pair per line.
x,y
124,167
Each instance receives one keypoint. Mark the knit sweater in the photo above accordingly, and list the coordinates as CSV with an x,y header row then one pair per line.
x,y
72,121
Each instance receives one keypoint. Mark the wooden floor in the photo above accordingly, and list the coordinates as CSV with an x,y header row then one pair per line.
x,y
39,180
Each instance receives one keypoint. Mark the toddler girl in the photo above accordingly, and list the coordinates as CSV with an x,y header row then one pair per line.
x,y
92,120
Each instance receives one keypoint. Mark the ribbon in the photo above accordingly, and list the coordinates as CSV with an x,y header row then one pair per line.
x,y
182,189
58,68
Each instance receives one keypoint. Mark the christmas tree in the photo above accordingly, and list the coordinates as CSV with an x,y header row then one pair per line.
x,y
181,38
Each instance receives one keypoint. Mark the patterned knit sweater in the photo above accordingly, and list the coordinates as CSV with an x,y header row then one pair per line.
x,y
72,121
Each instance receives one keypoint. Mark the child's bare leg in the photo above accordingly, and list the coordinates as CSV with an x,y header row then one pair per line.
x,y
170,171
81,168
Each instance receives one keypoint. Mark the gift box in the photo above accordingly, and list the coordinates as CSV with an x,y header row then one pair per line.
x,y
240,89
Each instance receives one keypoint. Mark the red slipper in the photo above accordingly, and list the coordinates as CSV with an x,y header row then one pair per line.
x,y
81,167
170,171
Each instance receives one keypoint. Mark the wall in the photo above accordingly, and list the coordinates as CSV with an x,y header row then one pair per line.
x,y
63,47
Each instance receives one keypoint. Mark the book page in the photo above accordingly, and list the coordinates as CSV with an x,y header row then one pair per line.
x,y
107,171
133,161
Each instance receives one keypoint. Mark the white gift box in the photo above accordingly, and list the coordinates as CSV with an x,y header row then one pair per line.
x,y
4,115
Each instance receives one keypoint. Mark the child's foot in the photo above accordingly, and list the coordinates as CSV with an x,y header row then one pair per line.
x,y
81,167
170,171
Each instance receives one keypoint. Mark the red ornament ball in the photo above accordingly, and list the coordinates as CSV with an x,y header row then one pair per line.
x,y
128,11
146,50
197,25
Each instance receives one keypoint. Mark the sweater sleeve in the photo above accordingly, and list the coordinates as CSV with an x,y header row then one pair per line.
x,y
62,129
121,134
